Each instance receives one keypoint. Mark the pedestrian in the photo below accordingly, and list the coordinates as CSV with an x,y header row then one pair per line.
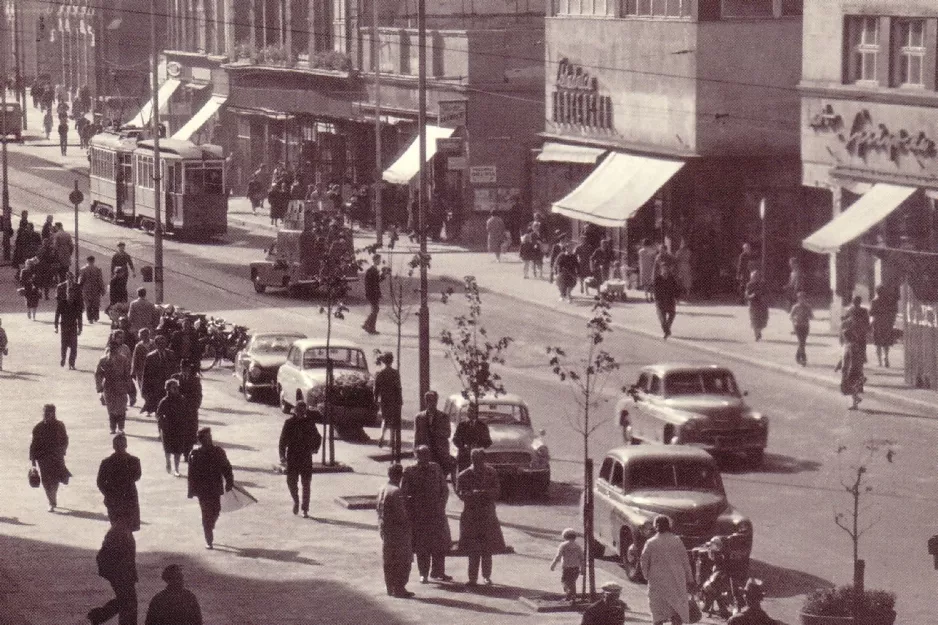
x,y
31,293
758,305
63,135
666,567
210,476
646,267
115,385
122,259
394,525
143,347
390,398
667,291
175,604
47,452
117,293
854,357
425,491
496,233
372,281
4,344
172,420
883,312
432,428
68,310
63,246
566,269
556,249
526,253
600,262
685,274
117,563
185,342
801,316
255,193
752,614
299,441
537,251
570,558
744,268
796,281
582,251
470,434
665,257
142,313
118,475
91,281
47,123
158,367
480,533
190,387
861,327
609,610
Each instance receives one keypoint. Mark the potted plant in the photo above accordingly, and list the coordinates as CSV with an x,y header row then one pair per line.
x,y
834,606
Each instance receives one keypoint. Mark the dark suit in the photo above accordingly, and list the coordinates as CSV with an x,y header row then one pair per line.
x,y
299,440
117,481
117,563
432,428
210,476
158,367
174,605
372,282
68,312
470,435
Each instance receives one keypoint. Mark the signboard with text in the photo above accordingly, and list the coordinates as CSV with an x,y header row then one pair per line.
x,y
483,174
452,113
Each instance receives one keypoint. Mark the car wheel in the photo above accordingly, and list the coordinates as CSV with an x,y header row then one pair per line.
x,y
284,406
633,569
597,548
248,395
259,287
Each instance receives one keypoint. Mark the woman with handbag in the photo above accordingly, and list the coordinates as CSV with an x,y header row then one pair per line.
x,y
47,452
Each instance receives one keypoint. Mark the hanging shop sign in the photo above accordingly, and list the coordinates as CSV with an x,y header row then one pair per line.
x,y
450,145
456,163
576,99
452,113
865,135
483,174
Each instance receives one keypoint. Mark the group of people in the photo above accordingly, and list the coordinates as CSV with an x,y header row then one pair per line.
x,y
857,325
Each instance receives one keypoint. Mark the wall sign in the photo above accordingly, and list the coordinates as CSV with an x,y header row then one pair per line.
x,y
576,98
452,113
483,174
865,135
456,163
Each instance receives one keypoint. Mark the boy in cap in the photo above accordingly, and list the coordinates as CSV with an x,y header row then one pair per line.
x,y
607,611
570,557
753,613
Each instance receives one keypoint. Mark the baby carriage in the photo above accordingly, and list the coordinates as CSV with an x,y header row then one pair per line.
x,y
717,590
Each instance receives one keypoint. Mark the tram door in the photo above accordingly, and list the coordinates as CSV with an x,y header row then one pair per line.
x,y
174,192
124,179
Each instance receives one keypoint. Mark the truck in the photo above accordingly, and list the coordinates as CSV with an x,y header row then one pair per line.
x,y
11,121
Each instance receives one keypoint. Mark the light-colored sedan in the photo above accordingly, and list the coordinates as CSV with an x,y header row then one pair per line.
x,y
303,377
256,365
518,453
693,404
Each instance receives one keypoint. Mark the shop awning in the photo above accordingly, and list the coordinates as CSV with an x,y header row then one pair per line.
x,y
198,120
866,212
614,192
562,153
408,164
166,91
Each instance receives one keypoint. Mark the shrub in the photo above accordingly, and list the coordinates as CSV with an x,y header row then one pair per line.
x,y
839,602
330,59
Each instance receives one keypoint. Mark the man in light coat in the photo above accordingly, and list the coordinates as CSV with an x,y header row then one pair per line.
x,y
396,537
425,490
91,281
142,313
116,386
666,566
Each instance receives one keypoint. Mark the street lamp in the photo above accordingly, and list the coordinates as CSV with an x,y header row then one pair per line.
x,y
76,197
6,223
423,318
762,217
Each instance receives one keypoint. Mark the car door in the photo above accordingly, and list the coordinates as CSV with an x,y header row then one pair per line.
x,y
638,411
244,360
601,503
287,373
652,424
617,515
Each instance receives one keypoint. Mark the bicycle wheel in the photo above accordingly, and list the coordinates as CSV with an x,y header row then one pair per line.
x,y
209,357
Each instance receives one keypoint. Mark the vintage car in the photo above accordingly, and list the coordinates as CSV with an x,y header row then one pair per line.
x,y
303,377
256,365
636,484
11,121
518,453
698,405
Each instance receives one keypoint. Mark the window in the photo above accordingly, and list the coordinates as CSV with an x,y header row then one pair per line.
x,y
675,475
214,179
195,179
863,48
656,8
605,472
909,53
342,357
747,8
655,387
617,476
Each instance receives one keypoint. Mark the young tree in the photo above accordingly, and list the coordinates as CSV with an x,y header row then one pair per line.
x,y
471,350
587,376
401,291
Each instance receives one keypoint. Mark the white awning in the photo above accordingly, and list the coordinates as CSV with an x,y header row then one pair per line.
x,y
408,164
614,192
563,153
866,212
198,120
166,91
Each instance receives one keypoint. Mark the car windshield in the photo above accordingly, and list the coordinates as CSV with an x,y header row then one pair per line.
x,y
673,475
273,344
501,414
704,382
346,357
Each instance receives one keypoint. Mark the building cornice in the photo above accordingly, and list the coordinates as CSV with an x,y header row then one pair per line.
x,y
613,143
881,96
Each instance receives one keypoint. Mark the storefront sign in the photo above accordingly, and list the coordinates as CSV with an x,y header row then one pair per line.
x,y
456,163
450,145
452,113
483,174
576,98
865,135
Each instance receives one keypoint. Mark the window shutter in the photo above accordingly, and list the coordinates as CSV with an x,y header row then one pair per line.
x,y
884,64
931,43
891,54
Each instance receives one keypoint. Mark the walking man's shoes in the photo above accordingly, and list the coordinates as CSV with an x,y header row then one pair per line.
x,y
442,578
296,508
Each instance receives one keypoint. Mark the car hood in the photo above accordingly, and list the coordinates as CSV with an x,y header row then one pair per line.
x,y
718,406
269,360
681,503
318,376
511,436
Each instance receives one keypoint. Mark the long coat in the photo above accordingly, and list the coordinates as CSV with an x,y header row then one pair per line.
x,y
470,435
190,387
157,368
479,529
433,430
92,283
210,472
117,558
299,440
426,492
117,481
758,306
666,566
396,531
112,377
47,449
172,417
141,349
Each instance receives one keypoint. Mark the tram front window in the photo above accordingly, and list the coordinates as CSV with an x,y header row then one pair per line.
x,y
214,180
195,180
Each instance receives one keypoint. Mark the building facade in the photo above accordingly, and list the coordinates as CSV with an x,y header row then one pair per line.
x,y
675,120
869,129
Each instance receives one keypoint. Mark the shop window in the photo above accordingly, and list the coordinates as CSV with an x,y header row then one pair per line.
x,y
656,8
747,8
909,53
863,48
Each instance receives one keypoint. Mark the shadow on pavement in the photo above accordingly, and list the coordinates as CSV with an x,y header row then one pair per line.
x,y
773,463
22,376
13,521
240,469
707,339
83,514
467,605
237,446
277,555
341,523
782,583
225,410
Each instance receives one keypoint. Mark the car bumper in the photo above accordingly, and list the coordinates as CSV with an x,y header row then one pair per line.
x,y
345,416
511,471
258,386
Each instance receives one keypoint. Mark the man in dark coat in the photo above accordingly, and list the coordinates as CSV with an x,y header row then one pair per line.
x,y
390,398
47,452
185,342
396,534
372,281
122,259
424,487
667,291
175,604
480,533
190,387
470,434
117,563
607,611
68,310
432,428
210,476
117,481
299,440
158,366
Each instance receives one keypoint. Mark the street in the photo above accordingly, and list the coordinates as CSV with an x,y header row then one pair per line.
x,y
791,500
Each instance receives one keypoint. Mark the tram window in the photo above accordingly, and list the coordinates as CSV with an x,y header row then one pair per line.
x,y
126,168
213,181
195,180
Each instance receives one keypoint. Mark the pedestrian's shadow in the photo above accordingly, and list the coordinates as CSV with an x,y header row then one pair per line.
x,y
783,583
232,411
84,514
472,606
341,523
771,463
13,521
276,555
708,339
250,484
241,469
22,376
237,446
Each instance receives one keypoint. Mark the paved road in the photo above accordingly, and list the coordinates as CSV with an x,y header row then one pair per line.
x,y
791,500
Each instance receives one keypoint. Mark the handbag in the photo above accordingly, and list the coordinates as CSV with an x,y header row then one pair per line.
x,y
33,476
693,611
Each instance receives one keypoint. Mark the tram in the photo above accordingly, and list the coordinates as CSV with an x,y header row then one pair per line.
x,y
195,202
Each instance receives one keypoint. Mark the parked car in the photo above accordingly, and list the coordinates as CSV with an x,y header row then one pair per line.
x,y
256,365
698,405
11,121
518,453
636,484
303,376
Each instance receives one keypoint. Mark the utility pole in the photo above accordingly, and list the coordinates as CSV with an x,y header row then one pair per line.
x,y
424,316
6,224
157,166
20,94
376,61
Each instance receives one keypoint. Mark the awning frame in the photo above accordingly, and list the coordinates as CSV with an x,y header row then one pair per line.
x,y
201,117
145,117
555,152
407,165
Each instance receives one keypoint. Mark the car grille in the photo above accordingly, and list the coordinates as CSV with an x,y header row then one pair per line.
x,y
507,457
691,524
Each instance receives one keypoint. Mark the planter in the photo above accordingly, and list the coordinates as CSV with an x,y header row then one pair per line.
x,y
879,619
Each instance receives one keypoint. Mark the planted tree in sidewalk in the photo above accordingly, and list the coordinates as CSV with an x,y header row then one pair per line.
x,y
587,375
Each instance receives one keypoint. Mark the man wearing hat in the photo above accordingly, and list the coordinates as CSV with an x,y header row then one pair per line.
x,y
175,604
752,614
122,259
210,476
299,440
609,610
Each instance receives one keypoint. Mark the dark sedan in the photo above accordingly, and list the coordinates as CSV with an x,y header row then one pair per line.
x,y
257,364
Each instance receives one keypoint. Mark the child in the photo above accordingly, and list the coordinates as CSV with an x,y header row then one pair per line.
x,y
570,555
801,316
3,344
32,293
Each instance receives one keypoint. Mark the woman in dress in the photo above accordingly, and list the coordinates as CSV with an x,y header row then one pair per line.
x,y
758,304
883,310
852,377
171,416
47,452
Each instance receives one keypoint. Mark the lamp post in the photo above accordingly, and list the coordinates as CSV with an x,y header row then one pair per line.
x,y
762,217
376,60
76,197
157,165
6,223
424,316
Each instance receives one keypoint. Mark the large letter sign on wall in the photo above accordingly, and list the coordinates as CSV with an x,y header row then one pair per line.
x,y
576,98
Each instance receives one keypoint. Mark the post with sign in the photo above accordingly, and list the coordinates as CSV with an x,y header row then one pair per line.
x,y
6,221
76,197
